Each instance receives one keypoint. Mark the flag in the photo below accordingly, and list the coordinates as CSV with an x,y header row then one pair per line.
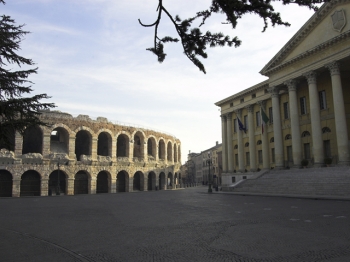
x,y
264,120
241,127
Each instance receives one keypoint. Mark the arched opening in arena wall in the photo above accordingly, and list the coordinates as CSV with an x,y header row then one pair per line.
x,y
104,144
123,146
59,141
32,140
81,183
170,152
5,183
82,144
138,183
9,140
175,180
179,154
30,183
161,150
170,180
175,153
138,145
151,148
162,181
103,182
151,181
56,188
122,181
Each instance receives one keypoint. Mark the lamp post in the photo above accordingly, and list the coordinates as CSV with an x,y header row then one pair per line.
x,y
209,180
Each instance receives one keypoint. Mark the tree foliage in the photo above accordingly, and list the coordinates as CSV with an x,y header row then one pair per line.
x,y
195,42
18,109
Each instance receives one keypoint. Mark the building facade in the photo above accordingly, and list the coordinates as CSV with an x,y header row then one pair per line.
x,y
305,102
77,155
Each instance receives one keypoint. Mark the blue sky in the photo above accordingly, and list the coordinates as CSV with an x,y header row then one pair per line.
x,y
92,60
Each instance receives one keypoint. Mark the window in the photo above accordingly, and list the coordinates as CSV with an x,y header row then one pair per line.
x,y
236,159
233,179
273,155
327,148
231,104
242,100
307,151
235,125
289,154
260,158
288,137
259,142
323,103
246,122
253,95
305,134
286,110
303,105
270,115
272,140
247,158
325,130
235,147
258,118
246,144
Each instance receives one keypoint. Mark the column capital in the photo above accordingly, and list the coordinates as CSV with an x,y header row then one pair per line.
x,y
333,67
311,77
250,108
274,91
223,117
229,116
239,112
262,103
291,84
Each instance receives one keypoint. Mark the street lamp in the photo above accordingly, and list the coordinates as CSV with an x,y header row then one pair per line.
x,y
209,180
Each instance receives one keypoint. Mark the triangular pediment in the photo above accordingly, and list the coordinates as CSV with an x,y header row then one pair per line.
x,y
329,24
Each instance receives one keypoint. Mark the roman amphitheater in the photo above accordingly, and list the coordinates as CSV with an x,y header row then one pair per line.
x,y
78,155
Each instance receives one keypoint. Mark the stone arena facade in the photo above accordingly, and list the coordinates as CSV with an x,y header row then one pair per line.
x,y
78,155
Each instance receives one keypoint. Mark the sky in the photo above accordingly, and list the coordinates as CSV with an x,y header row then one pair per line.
x,y
92,60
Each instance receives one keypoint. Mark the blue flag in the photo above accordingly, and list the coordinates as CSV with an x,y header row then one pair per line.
x,y
241,127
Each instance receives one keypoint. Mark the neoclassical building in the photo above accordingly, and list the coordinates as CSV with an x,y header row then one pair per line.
x,y
78,155
306,99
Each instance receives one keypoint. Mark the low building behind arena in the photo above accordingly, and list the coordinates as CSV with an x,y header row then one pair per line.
x,y
299,116
78,155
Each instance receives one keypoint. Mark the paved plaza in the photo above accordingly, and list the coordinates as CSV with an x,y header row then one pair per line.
x,y
173,225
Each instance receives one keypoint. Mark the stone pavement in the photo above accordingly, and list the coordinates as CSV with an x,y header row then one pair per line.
x,y
173,225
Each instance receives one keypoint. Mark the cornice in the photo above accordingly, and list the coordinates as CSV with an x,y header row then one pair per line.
x,y
303,32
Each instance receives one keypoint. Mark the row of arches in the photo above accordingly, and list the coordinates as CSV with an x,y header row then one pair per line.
x,y
31,183
136,145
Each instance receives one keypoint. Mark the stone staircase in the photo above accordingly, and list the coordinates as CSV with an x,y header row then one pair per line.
x,y
330,181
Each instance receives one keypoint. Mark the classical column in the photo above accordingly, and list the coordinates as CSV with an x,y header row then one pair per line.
x,y
264,140
224,143
240,143
294,122
317,143
229,143
277,128
339,115
251,133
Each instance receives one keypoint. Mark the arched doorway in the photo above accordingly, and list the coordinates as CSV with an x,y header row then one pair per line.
x,y
104,144
82,144
123,146
55,187
102,182
59,140
161,150
81,183
161,181
151,181
32,140
5,183
175,180
170,152
170,181
30,183
138,182
122,181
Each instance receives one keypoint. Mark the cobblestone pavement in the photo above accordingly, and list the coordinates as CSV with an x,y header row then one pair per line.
x,y
174,225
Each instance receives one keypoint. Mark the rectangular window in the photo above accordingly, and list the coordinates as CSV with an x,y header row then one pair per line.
x,y
286,110
246,122
235,125
258,118
253,95
327,148
260,157
303,105
270,115
247,158
231,104
236,159
323,103
307,151
289,154
233,179
273,155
